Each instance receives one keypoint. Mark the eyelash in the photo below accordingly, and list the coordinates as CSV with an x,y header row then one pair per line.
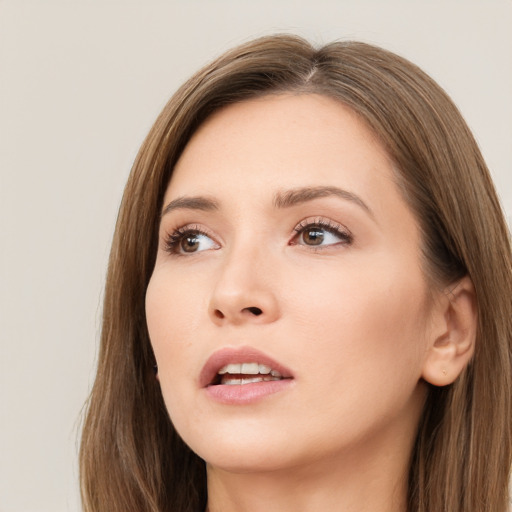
x,y
334,228
172,240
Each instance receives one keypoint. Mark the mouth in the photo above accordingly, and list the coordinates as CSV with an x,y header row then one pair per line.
x,y
241,366
245,373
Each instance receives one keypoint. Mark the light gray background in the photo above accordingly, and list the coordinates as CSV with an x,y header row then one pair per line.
x,y
80,85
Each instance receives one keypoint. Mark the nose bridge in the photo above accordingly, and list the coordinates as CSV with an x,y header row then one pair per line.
x,y
244,289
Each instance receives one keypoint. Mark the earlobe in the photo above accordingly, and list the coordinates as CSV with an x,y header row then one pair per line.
x,y
453,342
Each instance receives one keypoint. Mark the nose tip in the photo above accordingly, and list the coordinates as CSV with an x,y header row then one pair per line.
x,y
245,288
239,300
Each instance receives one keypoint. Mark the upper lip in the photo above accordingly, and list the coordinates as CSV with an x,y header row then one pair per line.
x,y
230,355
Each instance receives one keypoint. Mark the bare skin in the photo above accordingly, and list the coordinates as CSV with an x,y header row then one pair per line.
x,y
283,231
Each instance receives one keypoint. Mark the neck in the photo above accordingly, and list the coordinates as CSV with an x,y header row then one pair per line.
x,y
348,483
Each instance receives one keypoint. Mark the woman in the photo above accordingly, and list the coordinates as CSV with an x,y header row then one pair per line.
x,y
308,304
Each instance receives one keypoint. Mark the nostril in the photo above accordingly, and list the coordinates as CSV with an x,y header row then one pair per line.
x,y
218,314
254,311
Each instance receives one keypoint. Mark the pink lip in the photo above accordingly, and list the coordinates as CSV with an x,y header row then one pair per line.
x,y
246,393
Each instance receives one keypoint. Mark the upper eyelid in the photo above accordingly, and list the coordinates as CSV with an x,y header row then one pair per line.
x,y
186,227
325,222
182,230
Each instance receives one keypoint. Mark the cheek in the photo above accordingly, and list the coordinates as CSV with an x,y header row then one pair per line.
x,y
173,306
175,311
172,332
372,320
368,345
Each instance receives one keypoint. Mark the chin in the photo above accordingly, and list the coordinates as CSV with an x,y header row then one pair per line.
x,y
246,464
244,452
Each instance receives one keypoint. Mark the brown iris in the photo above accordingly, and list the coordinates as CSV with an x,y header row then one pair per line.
x,y
189,243
313,236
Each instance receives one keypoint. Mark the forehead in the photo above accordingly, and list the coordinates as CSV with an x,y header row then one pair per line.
x,y
280,140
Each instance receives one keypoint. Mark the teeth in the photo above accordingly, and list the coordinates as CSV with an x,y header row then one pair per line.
x,y
264,369
250,381
231,381
230,368
248,369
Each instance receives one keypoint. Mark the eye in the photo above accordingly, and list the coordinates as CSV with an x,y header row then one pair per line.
x,y
188,241
321,233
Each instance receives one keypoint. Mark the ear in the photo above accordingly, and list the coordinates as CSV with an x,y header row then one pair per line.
x,y
454,334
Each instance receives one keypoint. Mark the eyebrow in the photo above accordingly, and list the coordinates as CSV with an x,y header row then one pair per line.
x,y
285,199
202,203
300,195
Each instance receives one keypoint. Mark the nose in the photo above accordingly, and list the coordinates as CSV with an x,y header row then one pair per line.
x,y
245,290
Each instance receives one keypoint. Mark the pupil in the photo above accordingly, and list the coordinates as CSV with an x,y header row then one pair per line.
x,y
314,237
189,243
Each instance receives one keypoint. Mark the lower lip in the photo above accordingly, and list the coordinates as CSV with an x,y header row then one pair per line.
x,y
242,394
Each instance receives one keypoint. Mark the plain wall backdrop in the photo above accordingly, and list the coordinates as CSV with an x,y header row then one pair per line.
x,y
80,84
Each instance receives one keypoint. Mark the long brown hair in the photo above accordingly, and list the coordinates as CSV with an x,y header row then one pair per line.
x,y
131,457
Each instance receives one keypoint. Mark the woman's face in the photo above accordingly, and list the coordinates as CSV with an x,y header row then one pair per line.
x,y
286,246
